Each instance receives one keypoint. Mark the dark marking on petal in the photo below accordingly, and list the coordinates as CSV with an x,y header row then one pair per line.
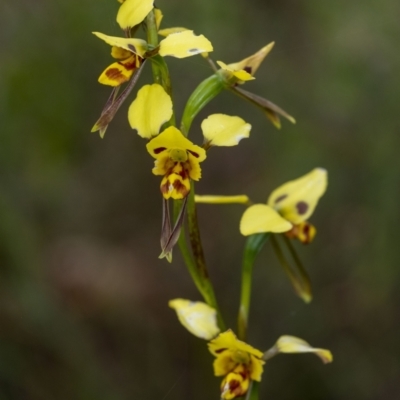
x,y
280,198
193,50
193,153
181,188
129,66
219,351
132,47
158,150
248,69
302,207
115,74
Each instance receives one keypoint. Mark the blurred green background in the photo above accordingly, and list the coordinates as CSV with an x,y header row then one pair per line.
x,y
83,296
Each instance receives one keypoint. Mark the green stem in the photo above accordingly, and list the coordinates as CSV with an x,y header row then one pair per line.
x,y
152,40
253,246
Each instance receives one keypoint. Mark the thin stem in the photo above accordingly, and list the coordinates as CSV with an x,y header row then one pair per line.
x,y
152,40
253,246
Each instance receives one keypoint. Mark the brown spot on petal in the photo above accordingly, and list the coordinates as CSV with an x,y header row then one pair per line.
x,y
234,384
158,150
219,351
302,207
193,153
248,69
280,198
193,50
115,74
129,66
180,188
132,47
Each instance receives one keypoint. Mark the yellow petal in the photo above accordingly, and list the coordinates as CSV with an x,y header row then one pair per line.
x,y
224,130
256,368
184,44
158,15
119,53
227,341
116,74
194,167
133,12
261,218
240,74
224,363
251,64
151,108
172,138
297,199
136,46
198,318
235,384
239,199
168,31
175,186
292,344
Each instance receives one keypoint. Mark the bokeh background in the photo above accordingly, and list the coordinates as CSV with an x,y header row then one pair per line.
x,y
83,296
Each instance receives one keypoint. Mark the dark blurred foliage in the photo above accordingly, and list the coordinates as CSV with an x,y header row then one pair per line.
x,y
83,296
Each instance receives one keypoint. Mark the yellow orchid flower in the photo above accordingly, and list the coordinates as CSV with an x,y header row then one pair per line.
x,y
129,52
288,208
197,317
238,362
244,70
177,158
241,363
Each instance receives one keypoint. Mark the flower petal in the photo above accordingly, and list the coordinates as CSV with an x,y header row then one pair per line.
x,y
119,72
137,46
198,318
251,64
168,31
151,108
297,199
261,218
228,341
158,15
120,53
292,344
239,199
172,138
240,74
133,12
184,44
224,130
